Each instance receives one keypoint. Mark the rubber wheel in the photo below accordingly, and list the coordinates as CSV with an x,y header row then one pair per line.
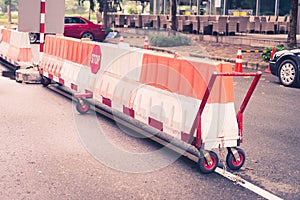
x,y
88,35
45,81
232,163
288,73
83,108
33,37
204,167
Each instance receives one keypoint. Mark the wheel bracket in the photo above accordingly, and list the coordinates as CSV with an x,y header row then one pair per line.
x,y
80,101
235,154
206,156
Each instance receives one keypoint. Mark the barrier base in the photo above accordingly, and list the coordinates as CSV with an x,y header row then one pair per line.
x,y
28,75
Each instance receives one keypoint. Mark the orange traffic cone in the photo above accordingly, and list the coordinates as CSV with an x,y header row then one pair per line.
x,y
239,61
271,57
121,39
146,43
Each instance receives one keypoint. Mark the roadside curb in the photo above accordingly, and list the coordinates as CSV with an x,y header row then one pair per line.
x,y
248,65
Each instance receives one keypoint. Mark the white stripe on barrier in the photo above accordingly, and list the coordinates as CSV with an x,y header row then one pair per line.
x,y
4,48
119,84
85,79
178,112
219,122
45,74
42,18
56,79
70,72
120,91
42,36
20,39
128,65
114,57
238,60
16,48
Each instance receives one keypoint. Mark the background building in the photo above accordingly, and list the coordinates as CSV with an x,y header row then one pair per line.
x,y
226,7
221,7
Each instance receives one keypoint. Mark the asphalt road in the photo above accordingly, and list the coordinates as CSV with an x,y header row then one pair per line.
x,y
43,156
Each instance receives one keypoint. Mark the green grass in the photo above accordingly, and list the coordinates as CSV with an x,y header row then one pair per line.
x,y
169,41
4,19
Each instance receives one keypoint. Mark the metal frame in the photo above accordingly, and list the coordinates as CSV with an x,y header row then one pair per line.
x,y
239,116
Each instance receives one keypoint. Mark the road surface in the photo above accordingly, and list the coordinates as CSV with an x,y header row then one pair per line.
x,y
43,156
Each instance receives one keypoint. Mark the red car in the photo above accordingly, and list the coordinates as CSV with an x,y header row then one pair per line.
x,y
78,27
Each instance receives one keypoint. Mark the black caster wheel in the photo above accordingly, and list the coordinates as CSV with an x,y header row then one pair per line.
x,y
204,167
82,106
45,81
232,163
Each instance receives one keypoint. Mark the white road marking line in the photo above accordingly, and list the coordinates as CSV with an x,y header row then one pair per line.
x,y
246,184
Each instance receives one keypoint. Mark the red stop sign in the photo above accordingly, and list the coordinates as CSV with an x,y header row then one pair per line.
x,y
95,61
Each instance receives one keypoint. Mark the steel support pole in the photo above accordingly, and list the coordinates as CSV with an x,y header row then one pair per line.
x,y
224,8
276,8
257,7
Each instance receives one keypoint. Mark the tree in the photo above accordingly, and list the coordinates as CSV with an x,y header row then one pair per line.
x,y
173,14
103,8
8,4
292,34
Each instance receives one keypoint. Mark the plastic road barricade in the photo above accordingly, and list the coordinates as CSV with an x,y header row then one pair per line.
x,y
15,48
187,99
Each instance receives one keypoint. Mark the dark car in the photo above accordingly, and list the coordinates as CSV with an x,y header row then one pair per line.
x,y
285,65
78,27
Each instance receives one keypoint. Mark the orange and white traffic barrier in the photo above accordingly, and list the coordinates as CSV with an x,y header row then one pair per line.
x,y
239,61
146,43
149,87
189,99
15,48
4,42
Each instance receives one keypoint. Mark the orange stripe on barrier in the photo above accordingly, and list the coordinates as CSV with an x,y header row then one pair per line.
x,y
86,52
171,74
59,43
222,91
64,48
20,54
76,51
71,49
186,77
57,46
227,82
6,35
49,45
58,69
